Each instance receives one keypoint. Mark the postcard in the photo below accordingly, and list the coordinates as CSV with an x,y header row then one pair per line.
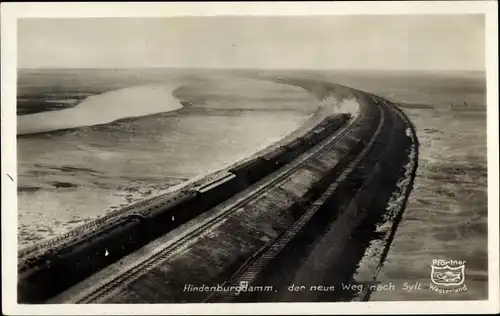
x,y
262,158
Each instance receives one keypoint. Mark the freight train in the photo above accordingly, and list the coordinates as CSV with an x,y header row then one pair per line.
x,y
60,268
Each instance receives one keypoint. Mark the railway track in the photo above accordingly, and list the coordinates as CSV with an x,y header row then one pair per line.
x,y
369,143
101,292
250,272
72,263
27,254
366,293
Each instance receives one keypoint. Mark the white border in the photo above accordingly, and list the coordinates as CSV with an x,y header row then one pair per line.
x,y
10,12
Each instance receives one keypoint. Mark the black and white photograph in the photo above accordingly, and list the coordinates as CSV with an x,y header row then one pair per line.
x,y
192,159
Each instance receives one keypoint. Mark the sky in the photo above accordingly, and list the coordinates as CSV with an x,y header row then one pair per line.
x,y
413,42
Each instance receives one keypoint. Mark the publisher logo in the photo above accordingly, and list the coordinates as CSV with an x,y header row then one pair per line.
x,y
448,276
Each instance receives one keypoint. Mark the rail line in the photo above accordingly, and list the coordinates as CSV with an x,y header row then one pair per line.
x,y
151,262
365,295
25,254
249,270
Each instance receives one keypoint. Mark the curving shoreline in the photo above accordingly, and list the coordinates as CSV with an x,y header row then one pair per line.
x,y
327,101
26,268
323,109
103,108
221,251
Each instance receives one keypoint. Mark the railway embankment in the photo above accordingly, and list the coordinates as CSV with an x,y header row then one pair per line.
x,y
306,223
336,239
90,250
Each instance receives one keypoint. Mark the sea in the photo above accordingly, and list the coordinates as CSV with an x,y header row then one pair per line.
x,y
93,140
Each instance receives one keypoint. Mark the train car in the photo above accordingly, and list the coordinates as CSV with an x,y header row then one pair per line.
x,y
334,122
32,263
320,133
220,178
161,211
330,119
215,184
295,145
250,171
74,263
320,130
274,159
104,245
208,195
164,217
47,257
293,149
244,167
310,139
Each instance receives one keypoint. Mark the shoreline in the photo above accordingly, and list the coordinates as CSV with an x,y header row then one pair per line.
x,y
91,112
322,111
324,108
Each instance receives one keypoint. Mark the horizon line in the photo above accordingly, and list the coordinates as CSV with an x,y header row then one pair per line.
x,y
256,69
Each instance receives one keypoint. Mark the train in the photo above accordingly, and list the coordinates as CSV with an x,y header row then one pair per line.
x,y
60,268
